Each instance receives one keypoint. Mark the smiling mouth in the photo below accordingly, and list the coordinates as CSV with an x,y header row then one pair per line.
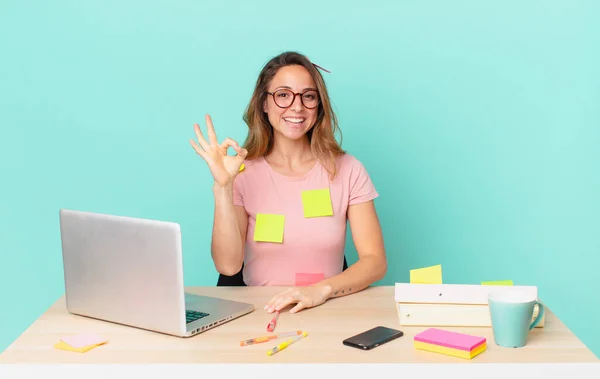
x,y
294,121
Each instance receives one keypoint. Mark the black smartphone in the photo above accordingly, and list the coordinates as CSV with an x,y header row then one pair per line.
x,y
373,338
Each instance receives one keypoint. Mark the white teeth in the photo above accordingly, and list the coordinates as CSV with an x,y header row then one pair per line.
x,y
296,120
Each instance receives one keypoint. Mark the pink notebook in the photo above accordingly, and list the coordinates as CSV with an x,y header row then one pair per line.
x,y
450,339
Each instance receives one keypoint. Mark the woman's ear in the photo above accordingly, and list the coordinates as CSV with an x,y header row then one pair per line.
x,y
265,106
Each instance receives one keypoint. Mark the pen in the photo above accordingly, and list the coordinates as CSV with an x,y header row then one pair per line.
x,y
256,340
285,344
273,322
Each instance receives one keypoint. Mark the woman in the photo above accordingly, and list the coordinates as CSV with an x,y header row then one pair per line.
x,y
282,202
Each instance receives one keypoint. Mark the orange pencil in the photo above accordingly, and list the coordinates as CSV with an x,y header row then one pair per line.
x,y
269,338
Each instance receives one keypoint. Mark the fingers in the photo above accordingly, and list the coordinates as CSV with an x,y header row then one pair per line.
x,y
200,137
302,299
288,297
198,150
241,152
212,136
270,307
301,305
228,142
283,302
272,300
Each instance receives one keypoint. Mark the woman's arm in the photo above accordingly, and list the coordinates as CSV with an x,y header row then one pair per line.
x,y
372,263
230,222
229,232
370,267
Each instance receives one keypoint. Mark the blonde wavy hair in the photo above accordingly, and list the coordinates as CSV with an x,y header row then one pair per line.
x,y
259,141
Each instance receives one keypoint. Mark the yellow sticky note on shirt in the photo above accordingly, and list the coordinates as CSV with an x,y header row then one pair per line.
x,y
498,283
269,228
317,203
427,275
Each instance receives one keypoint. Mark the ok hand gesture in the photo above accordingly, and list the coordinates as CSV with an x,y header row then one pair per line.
x,y
223,167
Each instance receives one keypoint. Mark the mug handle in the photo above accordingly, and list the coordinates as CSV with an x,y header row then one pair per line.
x,y
539,316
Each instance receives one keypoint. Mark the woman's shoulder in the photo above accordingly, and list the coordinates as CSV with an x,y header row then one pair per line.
x,y
250,163
347,162
354,175
248,170
347,158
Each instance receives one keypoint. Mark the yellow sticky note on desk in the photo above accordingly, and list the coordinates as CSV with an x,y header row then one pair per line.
x,y
65,346
80,343
83,339
427,275
498,283
269,228
317,203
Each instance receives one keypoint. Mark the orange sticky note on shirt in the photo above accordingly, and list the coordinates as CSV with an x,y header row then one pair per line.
x,y
427,275
269,227
317,203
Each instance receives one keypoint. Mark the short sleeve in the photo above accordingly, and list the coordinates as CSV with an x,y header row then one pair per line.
x,y
238,198
362,188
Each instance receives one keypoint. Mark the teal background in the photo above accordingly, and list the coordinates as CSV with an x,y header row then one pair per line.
x,y
478,122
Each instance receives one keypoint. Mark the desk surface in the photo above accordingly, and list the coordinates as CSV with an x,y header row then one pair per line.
x,y
327,325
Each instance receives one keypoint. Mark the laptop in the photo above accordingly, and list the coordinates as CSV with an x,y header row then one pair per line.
x,y
129,271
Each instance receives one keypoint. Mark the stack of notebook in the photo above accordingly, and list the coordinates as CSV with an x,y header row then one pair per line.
x,y
426,301
450,343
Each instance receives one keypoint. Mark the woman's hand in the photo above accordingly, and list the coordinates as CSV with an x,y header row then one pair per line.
x,y
223,167
305,297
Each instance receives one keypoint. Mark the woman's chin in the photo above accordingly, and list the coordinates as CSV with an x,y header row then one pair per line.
x,y
293,133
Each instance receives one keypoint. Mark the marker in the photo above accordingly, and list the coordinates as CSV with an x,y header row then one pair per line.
x,y
269,338
285,344
273,322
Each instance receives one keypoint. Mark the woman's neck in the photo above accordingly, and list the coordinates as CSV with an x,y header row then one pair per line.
x,y
291,154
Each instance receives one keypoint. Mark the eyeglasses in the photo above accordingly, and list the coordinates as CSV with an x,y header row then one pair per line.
x,y
284,98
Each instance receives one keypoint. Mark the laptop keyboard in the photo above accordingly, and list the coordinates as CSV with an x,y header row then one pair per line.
x,y
191,316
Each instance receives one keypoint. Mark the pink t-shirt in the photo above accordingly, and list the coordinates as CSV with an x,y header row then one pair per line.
x,y
312,248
